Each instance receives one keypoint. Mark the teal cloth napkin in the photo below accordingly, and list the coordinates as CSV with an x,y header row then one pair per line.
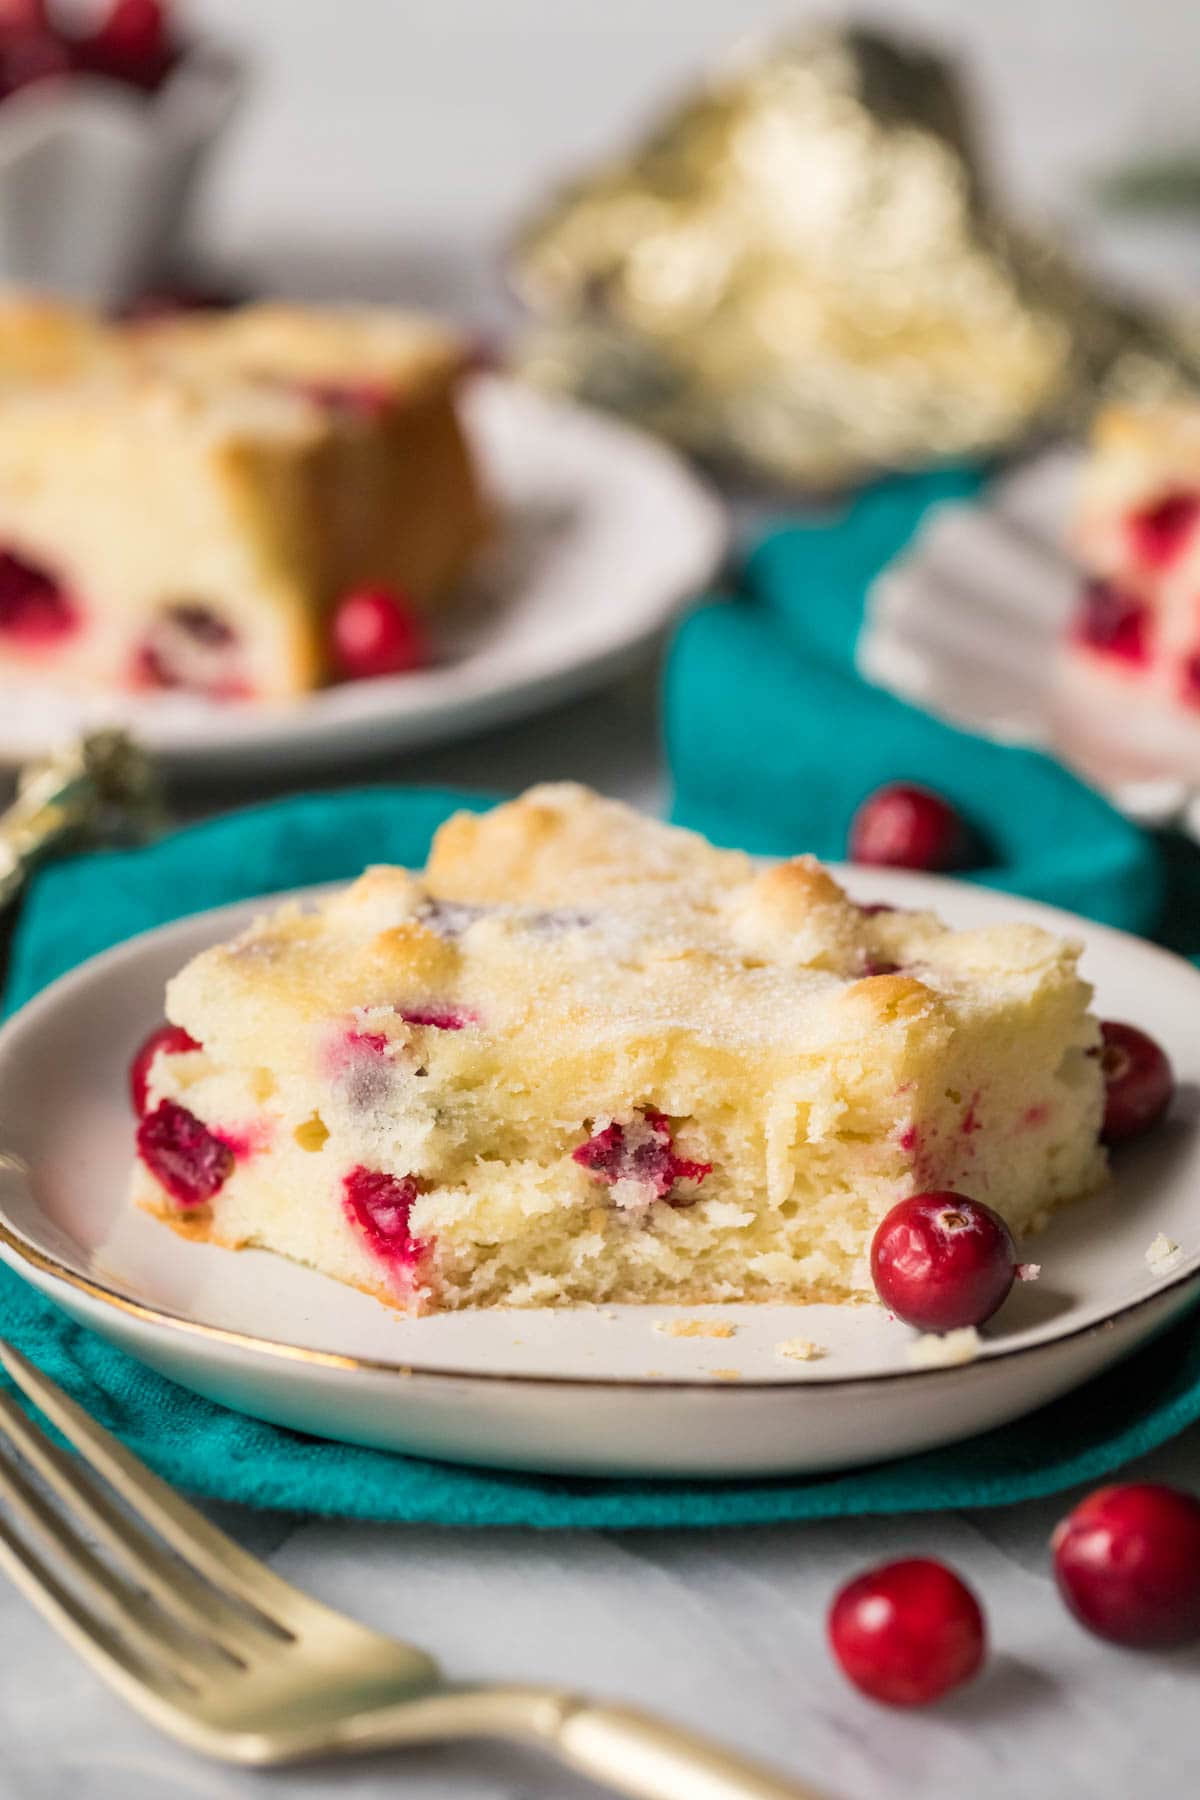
x,y
773,742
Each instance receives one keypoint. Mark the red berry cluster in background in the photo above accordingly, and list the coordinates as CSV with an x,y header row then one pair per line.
x,y
132,43
1127,1564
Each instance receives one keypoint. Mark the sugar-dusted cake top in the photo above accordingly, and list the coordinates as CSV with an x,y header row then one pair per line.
x,y
563,918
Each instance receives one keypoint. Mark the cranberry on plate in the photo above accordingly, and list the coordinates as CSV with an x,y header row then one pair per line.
x,y
903,826
377,631
941,1261
1138,1080
171,1038
907,1632
1127,1563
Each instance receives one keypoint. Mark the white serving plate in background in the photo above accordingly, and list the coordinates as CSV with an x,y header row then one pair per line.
x,y
968,623
602,535
581,1390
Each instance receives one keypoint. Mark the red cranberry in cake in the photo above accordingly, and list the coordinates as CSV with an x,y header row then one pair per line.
x,y
1127,1563
908,1632
1138,1081
1159,532
438,1018
191,647
378,1207
641,1153
907,827
942,1261
1114,622
376,631
365,400
170,1039
35,611
184,1156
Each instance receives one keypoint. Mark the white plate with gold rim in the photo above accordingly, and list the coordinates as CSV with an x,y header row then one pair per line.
x,y
584,1391
603,534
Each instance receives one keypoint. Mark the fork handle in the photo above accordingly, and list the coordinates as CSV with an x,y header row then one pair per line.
x,y
627,1751
633,1753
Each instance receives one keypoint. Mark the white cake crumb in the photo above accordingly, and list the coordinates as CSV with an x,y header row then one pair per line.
x,y
1162,1255
689,1328
1028,1271
933,1352
800,1350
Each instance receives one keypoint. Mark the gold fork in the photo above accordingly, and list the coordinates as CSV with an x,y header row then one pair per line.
x,y
214,1648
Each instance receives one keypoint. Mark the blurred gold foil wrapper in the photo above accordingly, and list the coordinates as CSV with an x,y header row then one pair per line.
x,y
801,275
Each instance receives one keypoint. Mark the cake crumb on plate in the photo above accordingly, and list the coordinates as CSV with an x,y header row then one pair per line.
x,y
933,1352
691,1328
1162,1255
800,1349
726,1374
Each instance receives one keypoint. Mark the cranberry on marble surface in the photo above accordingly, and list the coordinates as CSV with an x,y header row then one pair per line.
x,y
189,1160
378,1207
904,826
1127,1563
170,1038
908,1632
132,44
377,631
942,1261
1113,621
1138,1081
1159,532
30,54
642,1152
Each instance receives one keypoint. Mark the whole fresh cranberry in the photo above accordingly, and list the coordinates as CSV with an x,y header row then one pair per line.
x,y
941,1261
1138,1081
132,44
903,826
30,55
377,631
171,1038
1127,1563
908,1632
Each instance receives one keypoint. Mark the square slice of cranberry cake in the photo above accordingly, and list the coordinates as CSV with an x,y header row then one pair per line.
x,y
587,1057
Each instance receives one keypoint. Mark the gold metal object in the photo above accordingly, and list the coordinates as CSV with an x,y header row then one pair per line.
x,y
217,1650
801,273
102,786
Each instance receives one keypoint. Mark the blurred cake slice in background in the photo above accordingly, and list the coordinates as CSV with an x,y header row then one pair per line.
x,y
182,505
1132,662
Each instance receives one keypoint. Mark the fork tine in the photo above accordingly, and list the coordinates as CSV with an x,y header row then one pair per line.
x,y
225,1564
154,1638
94,1641
171,1582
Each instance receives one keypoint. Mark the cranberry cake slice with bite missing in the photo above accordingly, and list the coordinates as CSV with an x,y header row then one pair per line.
x,y
587,1057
